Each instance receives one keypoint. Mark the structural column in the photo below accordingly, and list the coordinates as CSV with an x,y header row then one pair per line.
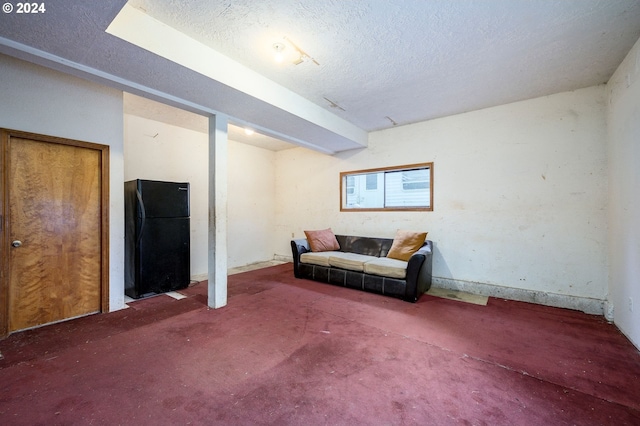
x,y
217,259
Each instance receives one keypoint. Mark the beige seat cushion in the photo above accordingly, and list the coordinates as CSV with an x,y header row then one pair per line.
x,y
387,267
350,261
320,258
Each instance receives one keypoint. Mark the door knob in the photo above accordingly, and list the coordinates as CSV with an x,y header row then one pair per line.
x,y
16,243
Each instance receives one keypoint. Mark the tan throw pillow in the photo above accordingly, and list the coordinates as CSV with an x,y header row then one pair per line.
x,y
405,244
322,240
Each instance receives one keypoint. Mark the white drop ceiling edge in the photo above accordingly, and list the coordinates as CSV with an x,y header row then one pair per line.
x,y
156,111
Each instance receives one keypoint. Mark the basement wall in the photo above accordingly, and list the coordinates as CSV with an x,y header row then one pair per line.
x,y
520,189
159,151
40,100
624,194
520,197
252,201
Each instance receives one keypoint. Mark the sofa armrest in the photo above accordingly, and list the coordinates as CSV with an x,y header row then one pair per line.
x,y
419,272
298,247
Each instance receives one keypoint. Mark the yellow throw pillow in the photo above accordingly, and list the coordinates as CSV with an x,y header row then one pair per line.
x,y
405,244
322,240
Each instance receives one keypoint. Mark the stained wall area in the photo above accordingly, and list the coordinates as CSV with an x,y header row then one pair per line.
x,y
520,197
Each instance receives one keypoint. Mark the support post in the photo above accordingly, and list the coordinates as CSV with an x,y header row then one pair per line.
x,y
217,258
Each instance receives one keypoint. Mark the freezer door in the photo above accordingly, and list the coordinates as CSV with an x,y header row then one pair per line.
x,y
164,255
163,199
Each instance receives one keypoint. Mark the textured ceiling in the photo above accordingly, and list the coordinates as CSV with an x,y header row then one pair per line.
x,y
379,62
416,60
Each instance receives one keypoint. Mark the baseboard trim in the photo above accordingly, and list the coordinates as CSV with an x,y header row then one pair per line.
x,y
282,258
584,304
199,277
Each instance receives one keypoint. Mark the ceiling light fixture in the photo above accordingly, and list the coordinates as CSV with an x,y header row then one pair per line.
x,y
279,56
301,56
248,131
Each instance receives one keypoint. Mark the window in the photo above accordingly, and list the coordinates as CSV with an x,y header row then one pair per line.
x,y
351,184
372,182
391,188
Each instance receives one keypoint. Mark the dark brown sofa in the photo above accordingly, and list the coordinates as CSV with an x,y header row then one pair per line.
x,y
416,280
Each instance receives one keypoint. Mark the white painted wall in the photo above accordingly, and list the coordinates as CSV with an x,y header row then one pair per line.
x,y
39,100
624,194
160,151
251,204
519,195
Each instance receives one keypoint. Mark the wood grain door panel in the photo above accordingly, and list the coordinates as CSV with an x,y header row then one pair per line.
x,y
54,206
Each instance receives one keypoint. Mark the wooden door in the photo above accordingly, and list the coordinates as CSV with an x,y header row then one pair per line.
x,y
54,236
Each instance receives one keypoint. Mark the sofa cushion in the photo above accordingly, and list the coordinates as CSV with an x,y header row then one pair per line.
x,y
386,267
350,261
322,240
321,258
405,243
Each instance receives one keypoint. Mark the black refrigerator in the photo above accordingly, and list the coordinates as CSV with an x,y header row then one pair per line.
x,y
157,237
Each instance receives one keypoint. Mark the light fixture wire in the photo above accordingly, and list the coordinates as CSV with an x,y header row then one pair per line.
x,y
303,55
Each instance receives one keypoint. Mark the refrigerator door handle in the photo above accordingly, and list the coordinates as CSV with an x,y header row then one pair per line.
x,y
143,215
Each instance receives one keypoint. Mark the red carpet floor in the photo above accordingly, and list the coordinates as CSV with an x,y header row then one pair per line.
x,y
295,352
